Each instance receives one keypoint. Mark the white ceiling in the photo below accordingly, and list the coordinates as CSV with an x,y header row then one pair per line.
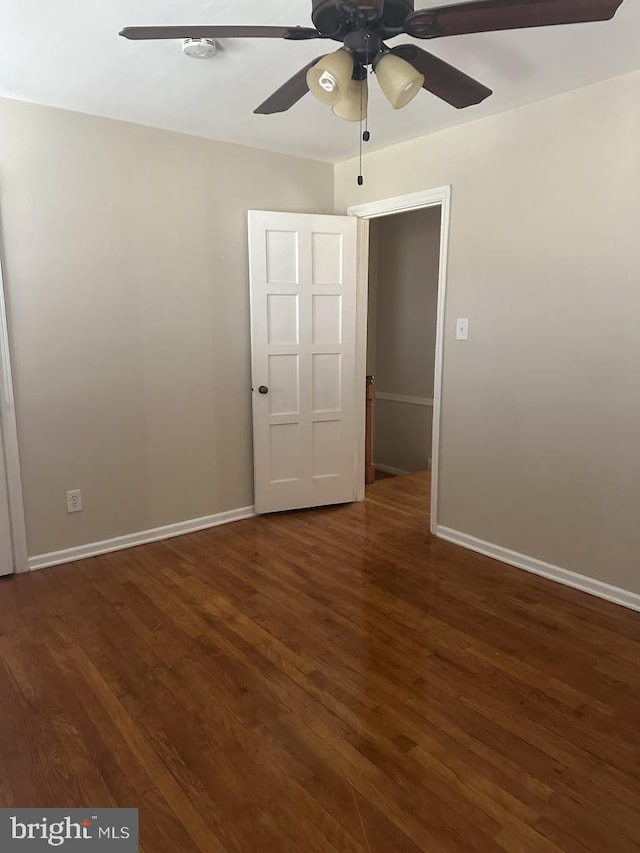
x,y
68,54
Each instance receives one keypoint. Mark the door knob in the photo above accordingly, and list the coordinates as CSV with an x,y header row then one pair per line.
x,y
263,389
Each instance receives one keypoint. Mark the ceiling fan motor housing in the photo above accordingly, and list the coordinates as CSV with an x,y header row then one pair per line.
x,y
329,18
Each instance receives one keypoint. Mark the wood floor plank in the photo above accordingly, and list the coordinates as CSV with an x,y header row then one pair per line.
x,y
326,680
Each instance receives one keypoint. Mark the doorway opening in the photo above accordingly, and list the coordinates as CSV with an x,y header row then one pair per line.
x,y
404,253
435,204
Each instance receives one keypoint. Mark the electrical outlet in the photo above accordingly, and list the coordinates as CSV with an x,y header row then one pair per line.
x,y
74,500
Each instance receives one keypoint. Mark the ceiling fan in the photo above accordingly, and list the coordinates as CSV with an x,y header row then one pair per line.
x,y
363,27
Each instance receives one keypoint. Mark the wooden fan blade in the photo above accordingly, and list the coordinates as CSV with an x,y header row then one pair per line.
x,y
488,15
289,93
205,32
442,79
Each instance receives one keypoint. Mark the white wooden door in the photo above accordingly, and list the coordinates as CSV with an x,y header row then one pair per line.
x,y
303,341
6,554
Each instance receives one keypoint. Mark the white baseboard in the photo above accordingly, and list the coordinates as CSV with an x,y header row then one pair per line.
x,y
530,564
119,543
387,469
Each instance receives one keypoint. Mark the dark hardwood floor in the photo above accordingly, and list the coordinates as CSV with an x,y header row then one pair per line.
x,y
331,680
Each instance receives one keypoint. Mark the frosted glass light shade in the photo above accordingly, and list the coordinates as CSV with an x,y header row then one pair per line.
x,y
330,76
352,106
398,79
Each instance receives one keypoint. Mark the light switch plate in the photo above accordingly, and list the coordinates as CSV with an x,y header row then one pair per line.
x,y
462,329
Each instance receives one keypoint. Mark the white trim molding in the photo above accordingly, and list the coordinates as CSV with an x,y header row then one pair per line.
x,y
144,537
402,398
9,429
362,299
389,469
546,570
399,203
437,197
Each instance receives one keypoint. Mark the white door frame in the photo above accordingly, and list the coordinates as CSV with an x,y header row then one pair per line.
x,y
440,196
10,440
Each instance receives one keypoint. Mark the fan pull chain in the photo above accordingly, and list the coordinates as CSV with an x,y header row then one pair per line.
x,y
360,176
365,136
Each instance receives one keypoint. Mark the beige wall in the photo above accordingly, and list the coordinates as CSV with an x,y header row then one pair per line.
x,y
402,436
408,253
541,407
126,271
405,251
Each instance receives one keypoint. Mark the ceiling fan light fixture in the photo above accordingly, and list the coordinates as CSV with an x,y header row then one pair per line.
x,y
364,26
399,80
352,105
330,77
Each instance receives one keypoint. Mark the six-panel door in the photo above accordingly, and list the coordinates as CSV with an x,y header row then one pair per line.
x,y
303,292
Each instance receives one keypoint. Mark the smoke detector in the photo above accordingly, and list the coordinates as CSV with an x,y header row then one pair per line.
x,y
199,48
